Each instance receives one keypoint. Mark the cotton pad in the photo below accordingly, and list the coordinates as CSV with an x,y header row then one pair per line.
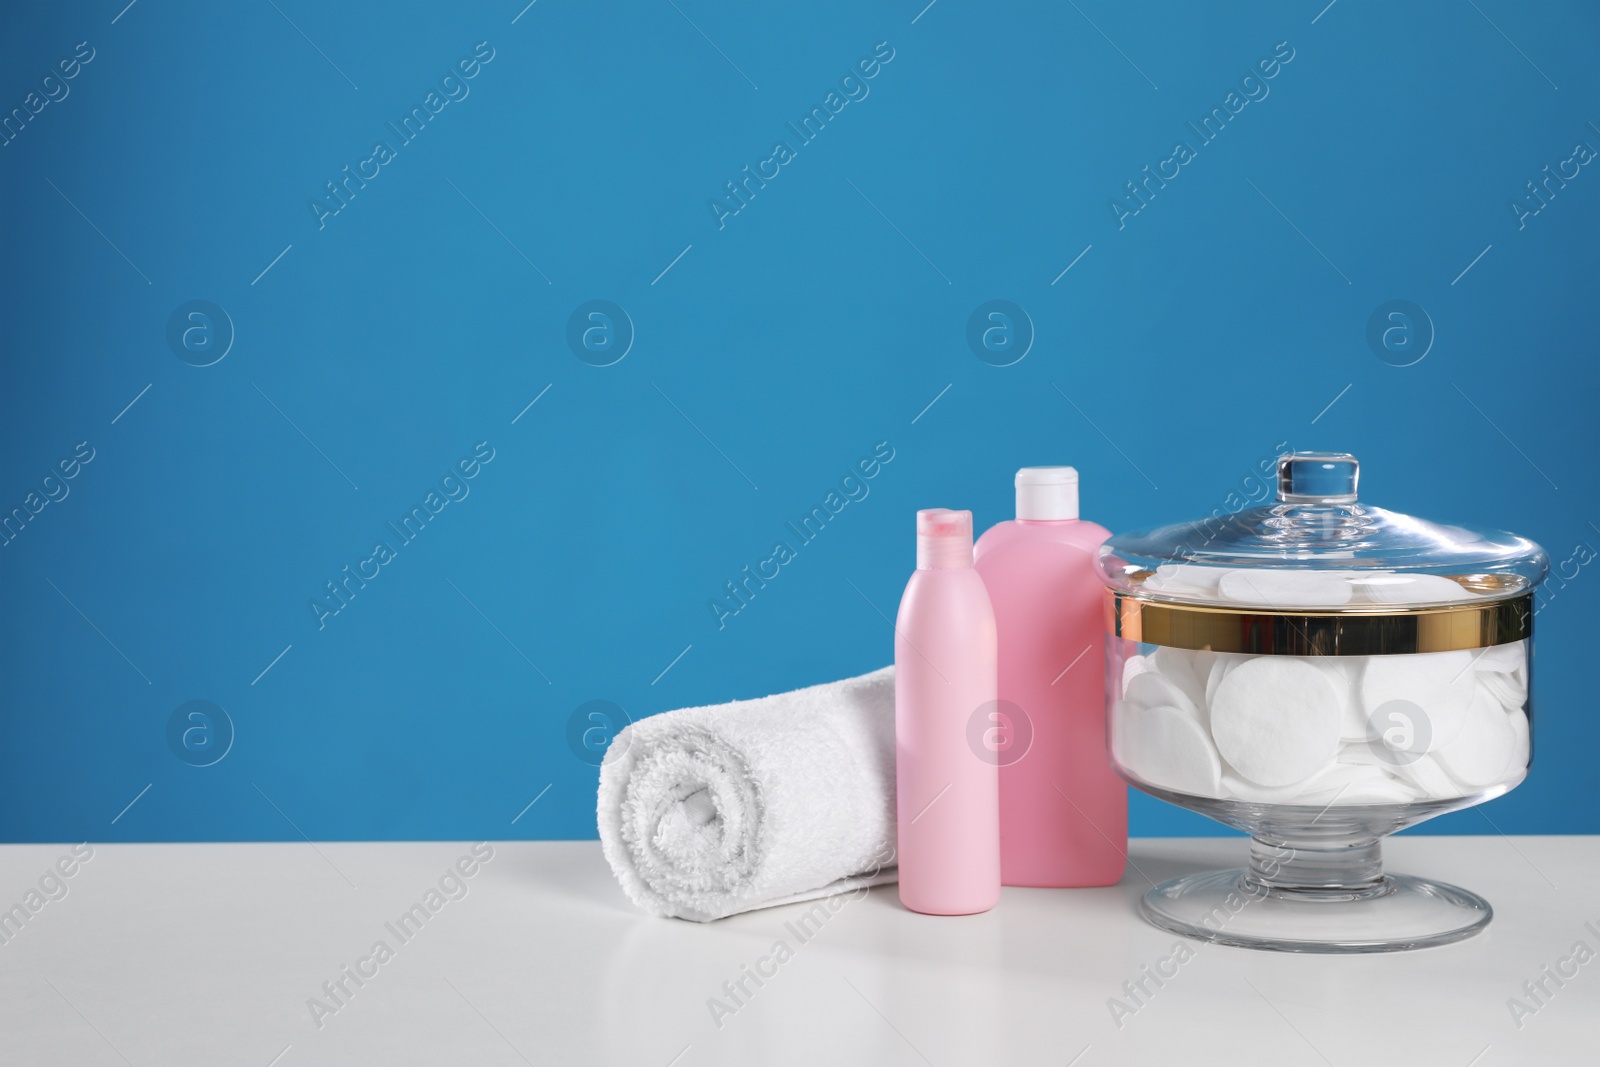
x,y
1337,777
1441,684
1168,748
1338,671
1391,588
1151,690
1344,672
1353,725
1522,749
1504,688
1185,580
1480,752
1372,790
1237,788
1344,783
1502,659
1177,665
1430,778
1282,589
1191,574
1361,754
1399,731
1219,670
1131,668
1276,720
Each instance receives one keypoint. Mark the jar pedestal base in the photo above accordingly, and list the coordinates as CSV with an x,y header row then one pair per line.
x,y
1390,913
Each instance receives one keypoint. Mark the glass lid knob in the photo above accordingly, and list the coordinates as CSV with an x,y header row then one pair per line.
x,y
1317,478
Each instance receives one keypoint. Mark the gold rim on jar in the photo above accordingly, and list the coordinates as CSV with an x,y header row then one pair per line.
x,y
1356,632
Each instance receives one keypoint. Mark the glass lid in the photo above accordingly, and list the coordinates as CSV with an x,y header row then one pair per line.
x,y
1316,547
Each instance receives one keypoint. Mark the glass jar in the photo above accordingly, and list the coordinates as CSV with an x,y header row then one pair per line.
x,y
1319,673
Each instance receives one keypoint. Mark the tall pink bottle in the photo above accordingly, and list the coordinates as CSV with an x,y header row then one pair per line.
x,y
947,793
1063,810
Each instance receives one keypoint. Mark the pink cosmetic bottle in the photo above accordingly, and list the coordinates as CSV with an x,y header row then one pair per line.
x,y
1063,810
947,790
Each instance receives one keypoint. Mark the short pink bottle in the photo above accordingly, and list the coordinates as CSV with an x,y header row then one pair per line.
x,y
1063,810
947,792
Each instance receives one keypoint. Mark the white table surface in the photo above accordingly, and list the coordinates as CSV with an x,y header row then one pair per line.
x,y
208,954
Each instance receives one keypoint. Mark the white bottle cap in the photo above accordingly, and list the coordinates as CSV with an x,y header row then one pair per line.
x,y
1047,493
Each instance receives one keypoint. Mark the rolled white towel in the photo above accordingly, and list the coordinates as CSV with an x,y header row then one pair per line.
x,y
706,812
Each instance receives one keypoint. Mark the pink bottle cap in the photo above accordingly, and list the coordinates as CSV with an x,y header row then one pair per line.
x,y
944,539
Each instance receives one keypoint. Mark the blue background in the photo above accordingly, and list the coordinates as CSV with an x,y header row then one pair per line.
x,y
824,317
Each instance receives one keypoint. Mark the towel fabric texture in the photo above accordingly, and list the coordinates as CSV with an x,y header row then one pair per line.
x,y
706,812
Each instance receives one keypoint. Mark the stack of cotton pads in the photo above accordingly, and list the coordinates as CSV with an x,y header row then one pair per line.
x,y
1324,730
1284,590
